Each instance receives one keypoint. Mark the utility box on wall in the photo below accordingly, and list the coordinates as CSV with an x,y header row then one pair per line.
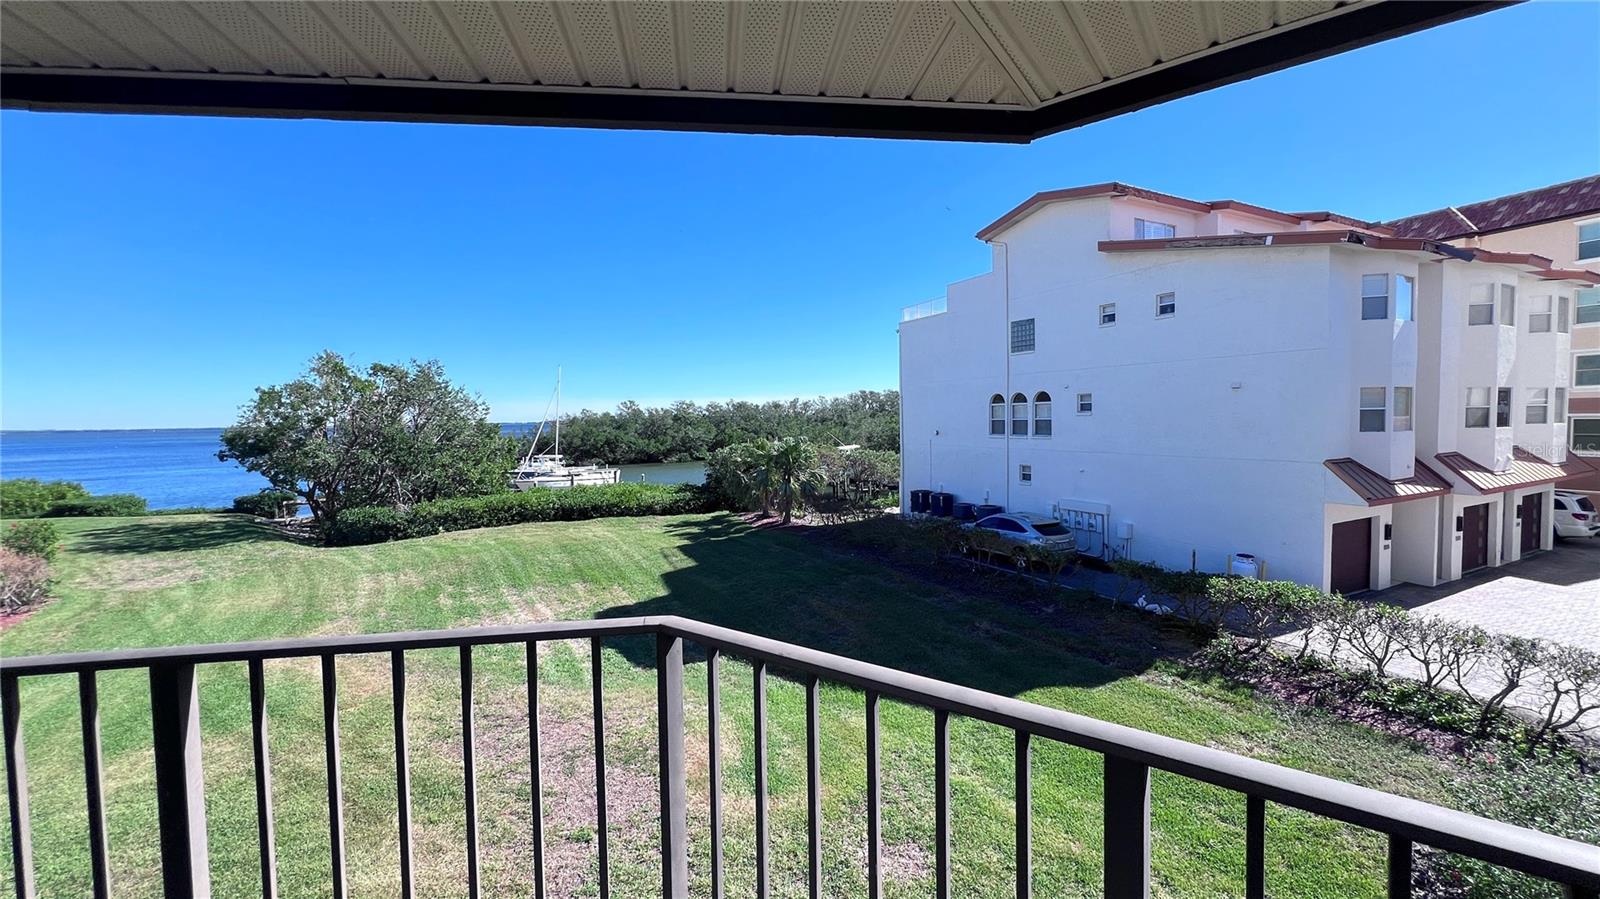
x,y
1090,523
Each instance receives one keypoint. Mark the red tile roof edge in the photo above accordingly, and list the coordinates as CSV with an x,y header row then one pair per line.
x,y
1286,238
1119,189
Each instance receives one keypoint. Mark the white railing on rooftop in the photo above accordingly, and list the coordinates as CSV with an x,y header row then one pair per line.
x,y
935,306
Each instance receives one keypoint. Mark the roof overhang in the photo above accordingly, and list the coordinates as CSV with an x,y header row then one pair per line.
x,y
961,70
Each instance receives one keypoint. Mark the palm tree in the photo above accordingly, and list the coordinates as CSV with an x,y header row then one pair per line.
x,y
790,472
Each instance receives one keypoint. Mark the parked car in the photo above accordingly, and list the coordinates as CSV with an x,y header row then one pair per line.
x,y
1575,515
1028,529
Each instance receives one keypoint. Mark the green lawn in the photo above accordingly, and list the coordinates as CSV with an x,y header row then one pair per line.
x,y
171,580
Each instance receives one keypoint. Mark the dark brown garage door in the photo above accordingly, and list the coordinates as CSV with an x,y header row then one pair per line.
x,y
1474,537
1352,556
1532,521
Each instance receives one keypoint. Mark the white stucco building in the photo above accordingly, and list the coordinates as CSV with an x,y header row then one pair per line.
x,y
1181,381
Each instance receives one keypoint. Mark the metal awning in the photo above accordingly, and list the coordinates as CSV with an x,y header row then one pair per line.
x,y
1003,71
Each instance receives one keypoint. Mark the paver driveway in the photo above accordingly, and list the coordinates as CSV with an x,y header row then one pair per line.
x,y
1552,596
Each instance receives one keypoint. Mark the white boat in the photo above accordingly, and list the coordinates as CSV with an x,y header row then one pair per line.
x,y
548,469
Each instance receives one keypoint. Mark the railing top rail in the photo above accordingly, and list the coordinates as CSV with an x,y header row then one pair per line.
x,y
1520,848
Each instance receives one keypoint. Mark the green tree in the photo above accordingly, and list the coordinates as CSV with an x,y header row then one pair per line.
x,y
391,435
792,472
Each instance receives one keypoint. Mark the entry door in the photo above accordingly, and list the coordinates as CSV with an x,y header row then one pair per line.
x,y
1352,556
1532,521
1474,537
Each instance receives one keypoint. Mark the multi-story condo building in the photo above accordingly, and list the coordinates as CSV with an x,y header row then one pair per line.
x,y
1562,224
1181,381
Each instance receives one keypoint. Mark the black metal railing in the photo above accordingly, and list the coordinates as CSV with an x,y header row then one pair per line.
x,y
1129,755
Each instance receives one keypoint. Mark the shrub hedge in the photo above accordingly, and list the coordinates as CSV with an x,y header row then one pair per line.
x,y
110,505
32,538
265,504
30,497
378,524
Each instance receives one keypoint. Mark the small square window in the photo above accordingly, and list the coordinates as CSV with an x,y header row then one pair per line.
x,y
1477,407
1148,230
1586,372
1374,297
1022,336
1588,305
1589,240
1374,408
1025,474
1166,305
1538,410
1085,403
1108,314
1585,435
1480,310
1539,315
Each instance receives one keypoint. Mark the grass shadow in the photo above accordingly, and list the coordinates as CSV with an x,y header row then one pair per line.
x,y
159,534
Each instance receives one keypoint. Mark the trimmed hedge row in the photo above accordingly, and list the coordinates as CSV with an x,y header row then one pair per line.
x,y
380,524
115,505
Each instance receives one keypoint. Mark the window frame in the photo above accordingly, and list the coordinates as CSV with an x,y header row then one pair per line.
x,y
1578,358
1047,419
1559,401
1411,298
997,403
1032,337
1578,244
1586,313
1366,409
1025,474
1504,407
1365,297
1404,422
1171,298
1548,315
1105,310
1140,224
1538,400
1487,407
1572,435
1563,315
1084,403
1508,305
1019,401
1476,301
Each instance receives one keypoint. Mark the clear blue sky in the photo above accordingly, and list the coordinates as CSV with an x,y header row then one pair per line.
x,y
158,268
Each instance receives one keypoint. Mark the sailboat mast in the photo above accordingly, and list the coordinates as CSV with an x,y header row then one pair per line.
x,y
558,411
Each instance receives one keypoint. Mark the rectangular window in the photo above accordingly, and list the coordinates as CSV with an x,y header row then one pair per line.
x,y
997,417
1586,435
1586,372
1085,403
1480,310
1502,408
1025,474
1019,416
1561,405
1564,315
1148,230
1041,417
1539,315
1588,305
1508,305
1374,403
1166,305
1402,408
1538,406
1374,297
1477,407
1108,314
1589,240
1022,335
1405,298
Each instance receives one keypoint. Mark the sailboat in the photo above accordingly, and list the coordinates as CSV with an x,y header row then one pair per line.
x,y
548,469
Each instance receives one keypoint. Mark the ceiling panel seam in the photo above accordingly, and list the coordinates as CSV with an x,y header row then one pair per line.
x,y
205,23
514,38
627,28
964,12
564,28
348,40
902,15
199,63
841,42
1080,34
1145,31
456,31
40,37
311,61
66,10
396,34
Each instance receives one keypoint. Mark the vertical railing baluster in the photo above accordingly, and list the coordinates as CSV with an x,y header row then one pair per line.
x,y
93,785
763,885
874,803
674,790
266,839
1255,848
1024,814
714,762
469,771
941,803
813,788
402,770
1127,829
1399,867
17,789
180,783
330,745
602,827
536,781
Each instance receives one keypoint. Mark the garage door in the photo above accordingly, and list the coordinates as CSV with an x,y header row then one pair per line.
x,y
1352,556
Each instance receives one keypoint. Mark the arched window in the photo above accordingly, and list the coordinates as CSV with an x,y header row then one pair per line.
x,y
1019,415
997,415
1041,414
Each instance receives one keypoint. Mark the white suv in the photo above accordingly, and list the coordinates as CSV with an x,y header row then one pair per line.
x,y
1575,515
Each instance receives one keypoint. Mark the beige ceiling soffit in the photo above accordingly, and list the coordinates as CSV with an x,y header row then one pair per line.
x,y
963,13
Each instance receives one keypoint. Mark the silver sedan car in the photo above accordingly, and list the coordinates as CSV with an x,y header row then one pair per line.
x,y
1031,529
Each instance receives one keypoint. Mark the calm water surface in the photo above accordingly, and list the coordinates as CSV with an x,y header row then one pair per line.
x,y
173,468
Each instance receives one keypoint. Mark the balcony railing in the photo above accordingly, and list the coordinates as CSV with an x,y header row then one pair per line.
x,y
1129,755
935,306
